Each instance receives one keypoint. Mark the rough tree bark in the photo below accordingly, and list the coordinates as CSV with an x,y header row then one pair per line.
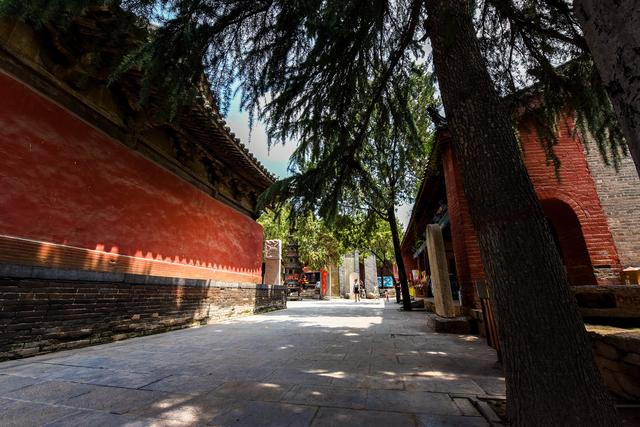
x,y
397,251
551,376
612,31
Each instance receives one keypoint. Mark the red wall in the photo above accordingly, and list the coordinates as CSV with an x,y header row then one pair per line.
x,y
65,182
469,267
574,190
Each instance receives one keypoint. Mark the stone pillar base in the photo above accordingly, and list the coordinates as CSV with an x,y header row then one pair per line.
x,y
448,325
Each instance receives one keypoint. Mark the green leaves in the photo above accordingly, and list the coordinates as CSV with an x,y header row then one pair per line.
x,y
318,244
538,44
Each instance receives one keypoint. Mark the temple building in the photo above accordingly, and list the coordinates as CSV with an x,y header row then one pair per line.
x,y
113,222
591,207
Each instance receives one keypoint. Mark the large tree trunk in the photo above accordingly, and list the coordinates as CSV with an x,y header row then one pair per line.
x,y
397,251
551,376
612,31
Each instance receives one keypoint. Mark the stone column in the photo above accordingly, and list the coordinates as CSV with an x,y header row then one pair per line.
x,y
348,266
439,272
273,262
371,275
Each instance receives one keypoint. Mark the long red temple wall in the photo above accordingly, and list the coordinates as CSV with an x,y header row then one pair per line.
x,y
65,183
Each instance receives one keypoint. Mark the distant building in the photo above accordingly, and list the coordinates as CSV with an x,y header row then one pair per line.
x,y
592,209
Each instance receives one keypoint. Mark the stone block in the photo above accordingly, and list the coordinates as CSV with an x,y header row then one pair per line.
x,y
608,300
439,272
454,325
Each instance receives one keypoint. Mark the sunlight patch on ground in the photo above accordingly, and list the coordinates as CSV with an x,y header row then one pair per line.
x,y
171,402
437,374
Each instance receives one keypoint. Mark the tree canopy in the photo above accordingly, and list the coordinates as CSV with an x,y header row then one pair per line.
x,y
315,70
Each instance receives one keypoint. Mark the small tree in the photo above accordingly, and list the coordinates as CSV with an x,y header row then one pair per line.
x,y
317,244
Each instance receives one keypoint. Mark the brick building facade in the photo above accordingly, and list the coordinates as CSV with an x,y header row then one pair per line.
x,y
591,207
114,224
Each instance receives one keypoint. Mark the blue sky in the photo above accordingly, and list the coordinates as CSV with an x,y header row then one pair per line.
x,y
275,159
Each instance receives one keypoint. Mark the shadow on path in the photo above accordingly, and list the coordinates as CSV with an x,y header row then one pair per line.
x,y
316,363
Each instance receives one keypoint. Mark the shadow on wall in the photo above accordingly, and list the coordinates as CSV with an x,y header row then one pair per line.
x,y
569,239
15,250
47,309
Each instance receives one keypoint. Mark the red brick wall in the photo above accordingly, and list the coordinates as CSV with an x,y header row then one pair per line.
x,y
465,244
570,201
65,182
575,188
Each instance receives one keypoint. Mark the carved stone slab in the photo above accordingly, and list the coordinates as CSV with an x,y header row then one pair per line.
x,y
273,249
273,262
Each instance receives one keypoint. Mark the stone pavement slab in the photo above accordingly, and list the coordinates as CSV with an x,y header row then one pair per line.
x,y
250,414
187,410
450,421
244,390
329,417
97,418
49,392
114,399
327,396
317,363
186,384
10,383
412,401
20,413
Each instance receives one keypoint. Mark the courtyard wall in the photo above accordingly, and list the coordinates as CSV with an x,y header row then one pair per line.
x,y
114,222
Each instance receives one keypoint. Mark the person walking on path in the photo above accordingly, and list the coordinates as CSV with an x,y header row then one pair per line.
x,y
386,294
356,290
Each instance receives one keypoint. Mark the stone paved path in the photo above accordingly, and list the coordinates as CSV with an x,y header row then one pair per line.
x,y
317,363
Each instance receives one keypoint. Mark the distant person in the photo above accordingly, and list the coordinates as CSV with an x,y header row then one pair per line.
x,y
386,294
356,290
